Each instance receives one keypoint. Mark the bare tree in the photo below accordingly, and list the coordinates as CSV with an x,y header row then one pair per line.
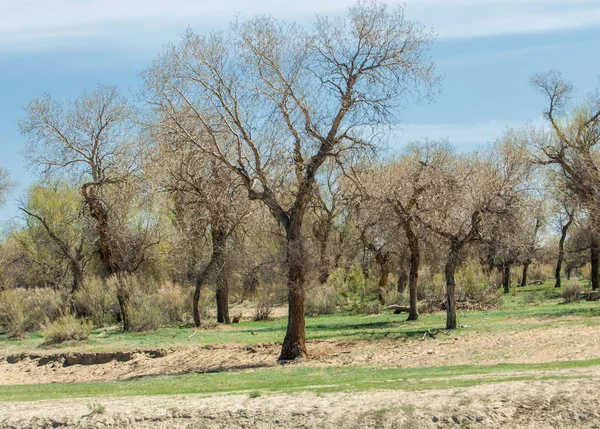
x,y
266,95
208,204
94,138
571,144
465,194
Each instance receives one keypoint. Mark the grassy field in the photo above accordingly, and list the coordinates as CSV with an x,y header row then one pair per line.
x,y
529,308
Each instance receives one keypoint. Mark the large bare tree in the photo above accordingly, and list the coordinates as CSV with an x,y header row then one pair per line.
x,y
272,101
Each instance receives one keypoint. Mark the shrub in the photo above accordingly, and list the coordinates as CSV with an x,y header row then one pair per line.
x,y
97,299
27,310
322,299
67,328
96,408
173,299
571,292
366,307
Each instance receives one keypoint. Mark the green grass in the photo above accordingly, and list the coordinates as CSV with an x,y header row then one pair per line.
x,y
288,379
542,309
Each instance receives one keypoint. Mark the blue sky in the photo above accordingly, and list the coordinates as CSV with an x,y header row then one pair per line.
x,y
486,50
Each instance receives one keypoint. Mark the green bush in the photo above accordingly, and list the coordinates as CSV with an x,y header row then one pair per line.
x,y
27,310
67,328
322,299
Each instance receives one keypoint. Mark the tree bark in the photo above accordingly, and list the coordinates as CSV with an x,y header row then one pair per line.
x,y
415,261
78,275
595,262
450,269
294,343
524,276
219,238
569,272
561,249
506,277
123,299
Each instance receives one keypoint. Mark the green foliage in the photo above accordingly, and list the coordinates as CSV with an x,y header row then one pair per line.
x,y
67,328
27,310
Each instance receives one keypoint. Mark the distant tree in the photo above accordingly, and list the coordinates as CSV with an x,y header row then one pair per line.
x,y
58,210
95,140
208,203
572,144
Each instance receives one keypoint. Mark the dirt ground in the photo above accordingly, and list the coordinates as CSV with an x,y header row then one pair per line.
x,y
535,404
550,404
529,346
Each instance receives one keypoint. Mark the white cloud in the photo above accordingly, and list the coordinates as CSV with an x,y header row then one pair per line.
x,y
37,24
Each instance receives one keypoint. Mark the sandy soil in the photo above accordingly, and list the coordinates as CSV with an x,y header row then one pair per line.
x,y
551,404
530,346
535,404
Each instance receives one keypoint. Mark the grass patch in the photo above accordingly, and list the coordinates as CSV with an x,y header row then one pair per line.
x,y
289,379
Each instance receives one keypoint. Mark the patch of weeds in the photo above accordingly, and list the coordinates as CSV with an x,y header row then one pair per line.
x,y
96,408
254,394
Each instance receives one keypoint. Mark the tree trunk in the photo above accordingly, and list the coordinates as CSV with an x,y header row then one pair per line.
x,y
569,272
219,238
524,276
77,271
451,284
595,262
196,301
294,343
561,250
415,261
506,277
123,299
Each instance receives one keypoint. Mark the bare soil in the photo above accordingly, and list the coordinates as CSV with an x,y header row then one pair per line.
x,y
535,404
561,343
550,404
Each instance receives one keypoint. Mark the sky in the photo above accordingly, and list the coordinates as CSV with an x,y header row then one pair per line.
x,y
486,51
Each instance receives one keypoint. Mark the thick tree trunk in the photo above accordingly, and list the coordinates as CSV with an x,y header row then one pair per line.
x,y
506,277
524,276
450,269
413,282
294,343
561,250
595,262
569,272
